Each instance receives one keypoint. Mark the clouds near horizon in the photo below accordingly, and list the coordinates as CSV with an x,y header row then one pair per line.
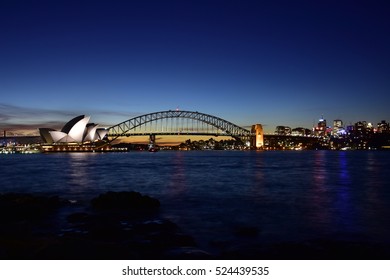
x,y
27,120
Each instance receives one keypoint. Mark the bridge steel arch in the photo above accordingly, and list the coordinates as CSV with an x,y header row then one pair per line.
x,y
229,128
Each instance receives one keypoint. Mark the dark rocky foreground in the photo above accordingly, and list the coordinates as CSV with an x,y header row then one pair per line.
x,y
117,225
127,225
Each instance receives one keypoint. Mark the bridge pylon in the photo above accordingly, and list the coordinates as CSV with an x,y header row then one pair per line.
x,y
152,142
257,138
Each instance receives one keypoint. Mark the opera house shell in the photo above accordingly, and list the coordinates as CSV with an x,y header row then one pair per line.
x,y
77,130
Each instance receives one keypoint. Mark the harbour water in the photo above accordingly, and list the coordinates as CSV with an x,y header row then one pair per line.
x,y
229,199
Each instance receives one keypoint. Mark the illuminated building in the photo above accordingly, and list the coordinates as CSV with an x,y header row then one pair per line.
x,y
300,131
320,129
383,127
283,130
77,130
337,123
360,127
338,129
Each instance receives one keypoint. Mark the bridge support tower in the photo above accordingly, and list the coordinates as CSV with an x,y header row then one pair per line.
x,y
152,143
152,139
257,140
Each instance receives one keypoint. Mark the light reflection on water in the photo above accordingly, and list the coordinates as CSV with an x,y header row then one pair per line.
x,y
286,195
319,210
347,219
79,179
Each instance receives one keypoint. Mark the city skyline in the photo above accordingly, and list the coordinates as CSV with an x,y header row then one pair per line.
x,y
29,129
248,62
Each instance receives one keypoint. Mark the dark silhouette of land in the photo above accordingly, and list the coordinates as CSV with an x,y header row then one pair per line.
x,y
127,225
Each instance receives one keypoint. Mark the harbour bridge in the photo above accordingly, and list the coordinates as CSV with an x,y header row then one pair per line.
x,y
178,122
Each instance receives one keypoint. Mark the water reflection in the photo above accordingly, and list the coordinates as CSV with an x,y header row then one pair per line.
x,y
372,172
177,182
346,217
79,177
370,163
285,195
319,198
344,176
320,171
257,188
376,196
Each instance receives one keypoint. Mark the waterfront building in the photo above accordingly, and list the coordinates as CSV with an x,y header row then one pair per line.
x,y
337,123
320,129
283,130
360,127
77,130
338,129
300,131
383,127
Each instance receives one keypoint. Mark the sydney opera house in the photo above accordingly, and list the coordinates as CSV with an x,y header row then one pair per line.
x,y
77,132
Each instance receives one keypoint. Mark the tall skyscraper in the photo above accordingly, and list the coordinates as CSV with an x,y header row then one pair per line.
x,y
320,129
338,127
338,123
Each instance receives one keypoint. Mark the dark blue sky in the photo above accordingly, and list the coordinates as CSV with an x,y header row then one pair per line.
x,y
269,62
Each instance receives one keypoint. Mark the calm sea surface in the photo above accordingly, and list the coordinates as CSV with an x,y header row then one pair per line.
x,y
286,196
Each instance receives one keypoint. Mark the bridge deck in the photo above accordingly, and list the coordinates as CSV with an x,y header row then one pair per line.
x,y
168,133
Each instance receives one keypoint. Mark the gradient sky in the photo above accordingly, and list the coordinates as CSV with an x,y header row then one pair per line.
x,y
268,62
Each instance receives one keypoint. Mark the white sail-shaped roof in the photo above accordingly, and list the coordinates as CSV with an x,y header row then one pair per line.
x,y
101,133
61,137
45,135
91,133
77,131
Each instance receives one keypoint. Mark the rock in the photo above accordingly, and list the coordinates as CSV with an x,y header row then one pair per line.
x,y
14,206
125,201
158,225
120,225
